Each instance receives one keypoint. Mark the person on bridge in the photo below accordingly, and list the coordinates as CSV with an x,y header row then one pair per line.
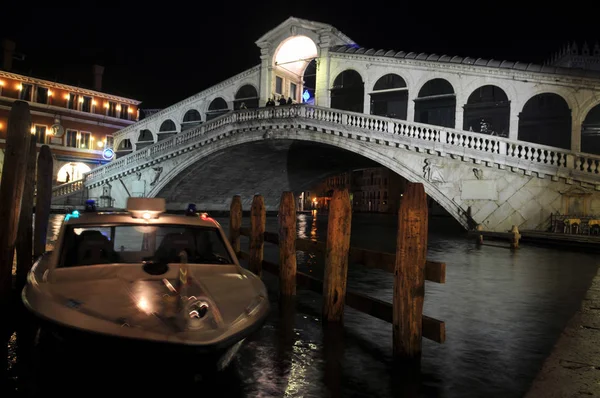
x,y
68,178
289,101
270,102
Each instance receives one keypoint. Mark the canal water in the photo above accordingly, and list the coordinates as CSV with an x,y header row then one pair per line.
x,y
503,310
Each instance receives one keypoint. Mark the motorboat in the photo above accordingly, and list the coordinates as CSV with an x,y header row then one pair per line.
x,y
148,276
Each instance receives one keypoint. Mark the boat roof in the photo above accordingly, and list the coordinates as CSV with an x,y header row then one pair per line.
x,y
126,218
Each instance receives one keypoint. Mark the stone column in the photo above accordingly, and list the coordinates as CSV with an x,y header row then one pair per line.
x,y
576,135
322,93
513,127
266,74
459,114
410,106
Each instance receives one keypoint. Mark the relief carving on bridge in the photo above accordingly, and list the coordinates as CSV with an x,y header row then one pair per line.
x,y
478,173
138,187
158,171
432,172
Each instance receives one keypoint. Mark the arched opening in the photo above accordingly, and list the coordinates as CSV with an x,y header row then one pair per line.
x,y
590,132
145,138
247,96
290,64
124,148
72,172
190,119
167,129
436,104
546,120
309,84
487,111
348,92
217,107
390,97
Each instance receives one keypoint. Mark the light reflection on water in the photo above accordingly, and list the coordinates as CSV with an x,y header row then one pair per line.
x,y
503,311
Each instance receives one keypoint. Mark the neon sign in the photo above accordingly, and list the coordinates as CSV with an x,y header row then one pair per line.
x,y
108,153
306,96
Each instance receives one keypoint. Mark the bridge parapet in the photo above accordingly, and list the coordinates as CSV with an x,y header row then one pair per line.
x,y
516,156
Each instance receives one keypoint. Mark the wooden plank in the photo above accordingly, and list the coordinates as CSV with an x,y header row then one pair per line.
x,y
433,329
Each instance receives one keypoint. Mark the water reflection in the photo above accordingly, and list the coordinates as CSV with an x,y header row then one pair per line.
x,y
503,311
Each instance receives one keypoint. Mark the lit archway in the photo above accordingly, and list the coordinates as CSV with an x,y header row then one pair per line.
x,y
72,172
291,62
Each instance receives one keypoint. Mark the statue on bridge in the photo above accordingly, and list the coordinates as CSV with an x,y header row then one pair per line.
x,y
158,171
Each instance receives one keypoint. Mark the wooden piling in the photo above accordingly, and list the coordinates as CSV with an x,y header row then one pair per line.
x,y
235,222
409,275
287,244
258,219
479,238
43,200
514,242
18,137
336,256
24,243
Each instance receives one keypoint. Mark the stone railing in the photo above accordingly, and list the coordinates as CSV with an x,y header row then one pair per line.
x,y
530,157
68,189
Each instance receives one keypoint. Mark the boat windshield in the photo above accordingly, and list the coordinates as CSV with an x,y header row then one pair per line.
x,y
105,244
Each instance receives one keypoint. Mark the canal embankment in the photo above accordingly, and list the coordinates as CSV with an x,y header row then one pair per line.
x,y
573,367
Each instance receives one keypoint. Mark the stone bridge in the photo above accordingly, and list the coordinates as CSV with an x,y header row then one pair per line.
x,y
478,179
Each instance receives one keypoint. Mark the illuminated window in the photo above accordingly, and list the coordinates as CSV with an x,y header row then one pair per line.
x,y
293,91
86,105
41,95
72,101
278,85
112,109
26,92
125,112
71,140
84,139
40,134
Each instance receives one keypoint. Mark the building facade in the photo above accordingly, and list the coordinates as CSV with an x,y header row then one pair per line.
x,y
77,123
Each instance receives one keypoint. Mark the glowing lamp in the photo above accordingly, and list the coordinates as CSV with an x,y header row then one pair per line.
x,y
100,144
1,83
129,110
94,102
32,130
19,87
106,105
146,208
81,100
67,96
118,107
49,93
306,96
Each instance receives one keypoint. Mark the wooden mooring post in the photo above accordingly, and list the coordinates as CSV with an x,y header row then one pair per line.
x,y
24,243
409,266
409,274
18,137
43,200
235,222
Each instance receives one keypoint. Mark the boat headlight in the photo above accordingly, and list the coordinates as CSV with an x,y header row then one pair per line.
x,y
254,306
196,312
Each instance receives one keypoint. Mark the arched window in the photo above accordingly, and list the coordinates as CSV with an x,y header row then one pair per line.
x,y
436,104
390,97
348,91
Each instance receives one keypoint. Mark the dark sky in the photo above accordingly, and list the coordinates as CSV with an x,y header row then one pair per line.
x,y
162,52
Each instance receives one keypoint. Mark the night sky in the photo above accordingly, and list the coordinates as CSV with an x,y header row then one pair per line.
x,y
161,54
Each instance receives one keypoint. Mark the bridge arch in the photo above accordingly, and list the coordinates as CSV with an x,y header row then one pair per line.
x,y
217,107
348,91
487,111
145,138
546,119
123,147
246,94
436,103
590,131
167,128
389,97
191,117
354,146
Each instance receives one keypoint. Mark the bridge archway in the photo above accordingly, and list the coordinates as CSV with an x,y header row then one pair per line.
x,y
182,172
487,111
145,138
191,118
436,104
166,129
246,95
72,172
217,107
590,132
348,92
124,148
390,97
546,120
291,60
